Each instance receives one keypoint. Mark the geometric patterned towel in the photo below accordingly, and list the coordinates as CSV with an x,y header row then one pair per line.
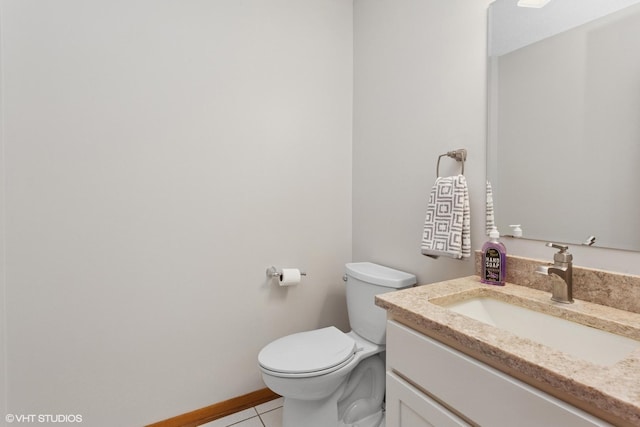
x,y
447,230
490,222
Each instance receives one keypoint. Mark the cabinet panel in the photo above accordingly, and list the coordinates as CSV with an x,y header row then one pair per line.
x,y
478,392
409,407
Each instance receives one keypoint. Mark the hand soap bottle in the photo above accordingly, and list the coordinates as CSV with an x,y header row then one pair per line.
x,y
494,260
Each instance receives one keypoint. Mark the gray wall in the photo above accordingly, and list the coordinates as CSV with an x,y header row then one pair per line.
x,y
420,79
158,157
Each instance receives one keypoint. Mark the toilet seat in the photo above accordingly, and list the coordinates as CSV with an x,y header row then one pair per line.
x,y
307,354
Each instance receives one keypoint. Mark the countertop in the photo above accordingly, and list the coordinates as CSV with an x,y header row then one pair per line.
x,y
609,392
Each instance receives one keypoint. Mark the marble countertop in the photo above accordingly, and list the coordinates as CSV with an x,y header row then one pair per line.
x,y
609,392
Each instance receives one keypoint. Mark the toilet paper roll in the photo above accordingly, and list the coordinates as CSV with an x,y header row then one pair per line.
x,y
290,277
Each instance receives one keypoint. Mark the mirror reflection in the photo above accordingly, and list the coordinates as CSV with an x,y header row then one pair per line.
x,y
564,121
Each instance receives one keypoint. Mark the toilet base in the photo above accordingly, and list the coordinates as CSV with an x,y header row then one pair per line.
x,y
373,420
358,401
311,413
316,415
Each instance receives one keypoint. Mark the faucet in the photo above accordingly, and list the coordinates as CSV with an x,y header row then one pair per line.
x,y
562,291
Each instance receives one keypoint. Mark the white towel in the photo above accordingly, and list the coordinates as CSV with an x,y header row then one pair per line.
x,y
447,230
490,223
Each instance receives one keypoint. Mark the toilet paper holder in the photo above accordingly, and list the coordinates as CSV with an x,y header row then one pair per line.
x,y
274,272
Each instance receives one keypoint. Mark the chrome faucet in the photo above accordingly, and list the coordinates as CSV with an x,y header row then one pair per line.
x,y
561,291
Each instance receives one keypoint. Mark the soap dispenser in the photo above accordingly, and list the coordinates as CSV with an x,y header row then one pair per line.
x,y
494,260
517,231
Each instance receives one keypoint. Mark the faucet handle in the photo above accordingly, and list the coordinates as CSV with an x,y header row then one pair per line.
x,y
562,255
563,248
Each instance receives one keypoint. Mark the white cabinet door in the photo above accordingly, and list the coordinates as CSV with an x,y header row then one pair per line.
x,y
409,407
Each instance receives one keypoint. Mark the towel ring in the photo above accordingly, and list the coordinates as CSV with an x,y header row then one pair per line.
x,y
460,155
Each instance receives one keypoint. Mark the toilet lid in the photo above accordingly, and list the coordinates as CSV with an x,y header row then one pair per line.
x,y
306,352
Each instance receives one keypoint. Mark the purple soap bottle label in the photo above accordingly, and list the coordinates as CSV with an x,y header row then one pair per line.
x,y
493,268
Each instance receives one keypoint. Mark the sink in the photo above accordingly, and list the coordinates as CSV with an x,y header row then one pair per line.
x,y
584,342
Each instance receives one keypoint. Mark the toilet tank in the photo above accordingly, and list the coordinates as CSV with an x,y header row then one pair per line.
x,y
365,280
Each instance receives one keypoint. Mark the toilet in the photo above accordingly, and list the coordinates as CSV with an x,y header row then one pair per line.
x,y
330,378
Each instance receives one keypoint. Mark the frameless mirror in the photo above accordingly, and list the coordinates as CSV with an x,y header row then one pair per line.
x,y
564,120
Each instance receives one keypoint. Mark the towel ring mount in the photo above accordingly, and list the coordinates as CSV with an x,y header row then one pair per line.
x,y
460,155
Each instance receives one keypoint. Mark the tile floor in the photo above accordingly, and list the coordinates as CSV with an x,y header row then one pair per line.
x,y
266,415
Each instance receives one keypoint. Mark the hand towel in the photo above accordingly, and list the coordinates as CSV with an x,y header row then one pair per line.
x,y
490,223
447,230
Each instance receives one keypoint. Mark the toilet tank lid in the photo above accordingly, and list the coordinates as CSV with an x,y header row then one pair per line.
x,y
380,275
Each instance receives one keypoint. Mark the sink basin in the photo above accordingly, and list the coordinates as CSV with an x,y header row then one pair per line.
x,y
584,342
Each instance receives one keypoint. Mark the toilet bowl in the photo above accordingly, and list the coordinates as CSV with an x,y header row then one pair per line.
x,y
331,378
329,384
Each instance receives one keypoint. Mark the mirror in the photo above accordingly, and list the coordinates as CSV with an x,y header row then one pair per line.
x,y
564,120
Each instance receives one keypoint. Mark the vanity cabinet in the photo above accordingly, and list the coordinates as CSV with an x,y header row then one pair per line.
x,y
431,384
408,406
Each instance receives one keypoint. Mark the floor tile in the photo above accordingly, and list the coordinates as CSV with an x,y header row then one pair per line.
x,y
271,405
272,418
234,418
251,422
